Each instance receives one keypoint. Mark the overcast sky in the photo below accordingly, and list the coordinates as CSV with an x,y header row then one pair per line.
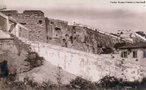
x,y
100,14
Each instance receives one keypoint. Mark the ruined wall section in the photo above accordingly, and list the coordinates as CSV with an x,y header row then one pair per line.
x,y
11,53
56,31
34,20
60,33
78,37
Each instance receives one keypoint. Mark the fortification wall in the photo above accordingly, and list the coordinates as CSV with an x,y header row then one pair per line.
x,y
77,37
32,19
89,66
60,33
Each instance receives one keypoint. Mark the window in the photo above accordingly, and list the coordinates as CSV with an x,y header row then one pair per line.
x,y
144,54
134,54
124,54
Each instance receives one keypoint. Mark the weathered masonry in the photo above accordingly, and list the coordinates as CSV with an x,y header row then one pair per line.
x,y
60,33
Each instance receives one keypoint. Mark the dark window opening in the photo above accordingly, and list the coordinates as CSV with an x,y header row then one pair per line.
x,y
75,38
124,54
106,50
66,35
121,32
40,21
71,39
23,23
4,72
47,37
65,43
56,28
52,22
144,54
74,27
63,40
134,54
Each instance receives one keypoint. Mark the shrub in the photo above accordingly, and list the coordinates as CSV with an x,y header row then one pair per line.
x,y
108,82
34,60
80,83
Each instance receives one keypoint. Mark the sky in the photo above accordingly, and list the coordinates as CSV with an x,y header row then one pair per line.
x,y
101,14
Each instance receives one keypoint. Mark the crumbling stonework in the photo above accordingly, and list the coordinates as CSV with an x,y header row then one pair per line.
x,y
61,33
33,20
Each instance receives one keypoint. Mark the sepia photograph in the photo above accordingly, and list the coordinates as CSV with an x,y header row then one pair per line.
x,y
72,45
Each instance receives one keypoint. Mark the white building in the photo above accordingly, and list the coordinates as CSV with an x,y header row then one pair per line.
x,y
134,53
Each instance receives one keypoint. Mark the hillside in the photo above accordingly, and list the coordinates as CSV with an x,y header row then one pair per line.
x,y
23,63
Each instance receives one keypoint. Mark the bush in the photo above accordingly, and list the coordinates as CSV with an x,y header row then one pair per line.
x,y
108,82
34,60
80,83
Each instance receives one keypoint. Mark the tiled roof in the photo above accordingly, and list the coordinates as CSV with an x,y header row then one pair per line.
x,y
134,46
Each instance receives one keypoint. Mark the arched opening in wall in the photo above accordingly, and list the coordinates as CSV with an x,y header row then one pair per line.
x,y
40,22
57,28
107,50
65,43
4,72
66,35
74,27
71,39
52,22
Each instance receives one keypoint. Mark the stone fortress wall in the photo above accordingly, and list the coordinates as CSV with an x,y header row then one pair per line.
x,y
90,66
87,65
60,33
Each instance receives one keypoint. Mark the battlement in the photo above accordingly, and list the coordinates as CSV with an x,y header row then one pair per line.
x,y
26,12
33,12
10,12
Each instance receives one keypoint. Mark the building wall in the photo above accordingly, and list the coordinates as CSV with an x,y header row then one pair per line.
x,y
140,58
139,63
